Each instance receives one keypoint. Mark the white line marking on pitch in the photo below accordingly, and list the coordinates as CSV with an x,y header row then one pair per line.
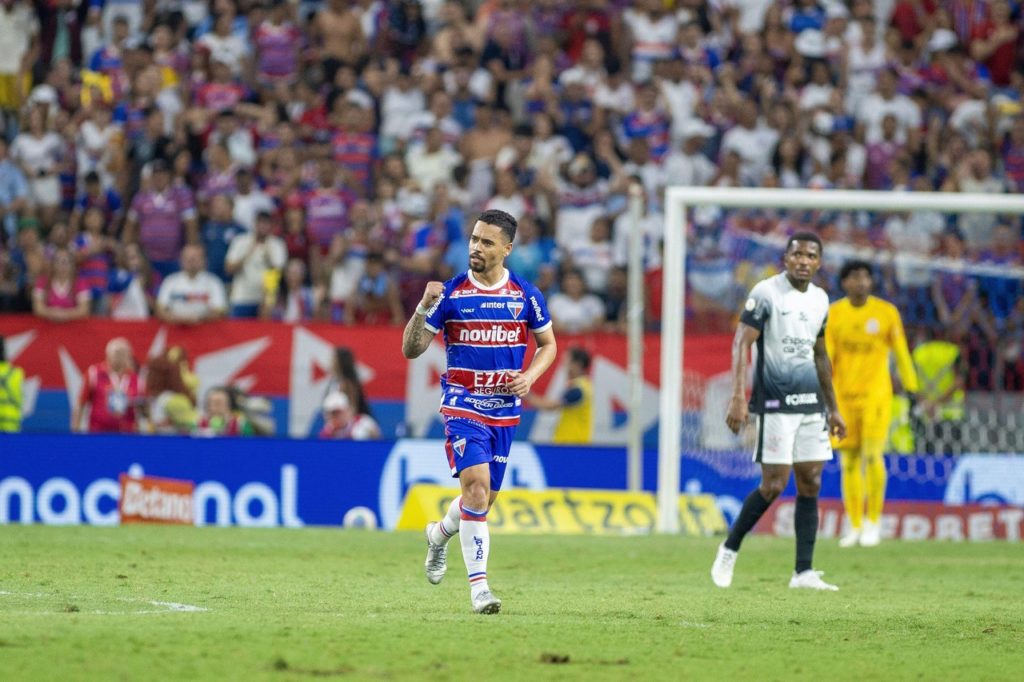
x,y
167,606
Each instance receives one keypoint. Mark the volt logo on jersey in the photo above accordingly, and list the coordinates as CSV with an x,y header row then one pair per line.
x,y
460,447
515,307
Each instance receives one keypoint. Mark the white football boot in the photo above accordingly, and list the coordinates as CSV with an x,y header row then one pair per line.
x,y
485,602
810,580
871,535
437,559
725,562
850,539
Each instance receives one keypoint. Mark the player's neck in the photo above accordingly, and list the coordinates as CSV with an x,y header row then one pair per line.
x,y
796,284
489,278
858,301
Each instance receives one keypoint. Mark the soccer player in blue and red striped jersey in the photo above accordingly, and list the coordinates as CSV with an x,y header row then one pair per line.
x,y
485,315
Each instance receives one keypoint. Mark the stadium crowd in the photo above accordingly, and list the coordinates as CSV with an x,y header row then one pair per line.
x,y
323,160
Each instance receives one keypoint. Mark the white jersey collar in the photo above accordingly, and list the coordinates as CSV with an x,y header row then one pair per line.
x,y
501,282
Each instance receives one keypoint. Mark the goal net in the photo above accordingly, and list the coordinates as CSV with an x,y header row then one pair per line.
x,y
949,262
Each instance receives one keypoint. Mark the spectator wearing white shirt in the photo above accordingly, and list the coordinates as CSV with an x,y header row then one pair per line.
x,y
573,310
38,152
192,295
432,162
225,46
580,200
507,196
887,101
679,94
689,165
401,102
594,257
652,227
752,141
249,200
251,256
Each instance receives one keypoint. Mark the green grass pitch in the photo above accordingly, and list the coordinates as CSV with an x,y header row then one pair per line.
x,y
106,604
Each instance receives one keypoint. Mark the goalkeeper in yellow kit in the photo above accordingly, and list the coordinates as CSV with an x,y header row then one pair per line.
x,y
862,330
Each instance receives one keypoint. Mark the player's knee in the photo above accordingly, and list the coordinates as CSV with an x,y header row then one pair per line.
x,y
476,495
808,483
772,488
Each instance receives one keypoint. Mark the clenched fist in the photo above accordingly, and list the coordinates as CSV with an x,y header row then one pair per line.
x,y
431,294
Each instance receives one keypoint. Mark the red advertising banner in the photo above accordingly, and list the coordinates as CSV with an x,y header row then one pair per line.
x,y
280,360
262,351
910,521
149,499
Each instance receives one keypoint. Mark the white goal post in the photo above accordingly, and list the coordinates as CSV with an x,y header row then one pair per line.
x,y
678,201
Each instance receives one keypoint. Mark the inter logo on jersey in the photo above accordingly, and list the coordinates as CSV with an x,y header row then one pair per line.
x,y
515,307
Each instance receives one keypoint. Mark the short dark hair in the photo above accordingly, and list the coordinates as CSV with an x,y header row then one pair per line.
x,y
580,357
500,219
852,266
805,237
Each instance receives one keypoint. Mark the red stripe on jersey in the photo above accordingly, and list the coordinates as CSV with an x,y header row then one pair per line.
x,y
487,421
450,454
486,332
478,379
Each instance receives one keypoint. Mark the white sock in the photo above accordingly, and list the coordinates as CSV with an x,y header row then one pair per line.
x,y
476,542
448,526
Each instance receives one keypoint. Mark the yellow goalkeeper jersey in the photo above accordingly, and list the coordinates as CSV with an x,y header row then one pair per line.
x,y
859,341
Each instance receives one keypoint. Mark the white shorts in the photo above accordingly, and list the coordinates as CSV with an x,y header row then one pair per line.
x,y
784,438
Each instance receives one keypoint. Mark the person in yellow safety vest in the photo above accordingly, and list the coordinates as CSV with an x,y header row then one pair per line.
x,y
11,379
940,371
940,402
576,423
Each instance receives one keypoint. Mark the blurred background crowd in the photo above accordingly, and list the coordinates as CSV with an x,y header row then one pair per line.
x,y
322,160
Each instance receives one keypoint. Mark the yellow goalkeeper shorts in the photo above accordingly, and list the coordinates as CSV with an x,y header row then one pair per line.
x,y
866,420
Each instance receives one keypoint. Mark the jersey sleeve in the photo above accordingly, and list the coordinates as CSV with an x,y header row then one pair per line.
x,y
904,361
824,326
436,314
758,308
538,317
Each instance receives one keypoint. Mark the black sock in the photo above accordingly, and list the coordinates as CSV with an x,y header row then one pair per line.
x,y
753,509
806,522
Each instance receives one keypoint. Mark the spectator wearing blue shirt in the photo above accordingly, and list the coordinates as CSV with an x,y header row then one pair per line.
x,y
807,14
217,233
108,201
13,192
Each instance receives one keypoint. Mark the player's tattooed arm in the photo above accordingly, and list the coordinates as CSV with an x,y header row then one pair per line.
x,y
416,338
823,366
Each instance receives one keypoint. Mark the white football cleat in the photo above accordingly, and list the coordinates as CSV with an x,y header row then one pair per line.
x,y
871,536
810,580
725,562
485,602
437,559
851,538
